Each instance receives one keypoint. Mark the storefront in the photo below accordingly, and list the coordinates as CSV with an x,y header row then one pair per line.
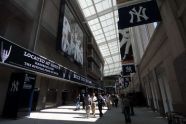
x,y
39,80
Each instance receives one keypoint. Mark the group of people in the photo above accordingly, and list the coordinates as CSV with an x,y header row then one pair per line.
x,y
90,102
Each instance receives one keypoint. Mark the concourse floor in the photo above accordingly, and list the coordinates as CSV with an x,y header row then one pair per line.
x,y
67,115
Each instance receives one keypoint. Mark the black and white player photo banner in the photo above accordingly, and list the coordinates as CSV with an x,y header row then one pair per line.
x,y
70,36
125,46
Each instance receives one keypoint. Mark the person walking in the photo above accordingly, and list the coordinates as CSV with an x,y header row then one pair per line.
x,y
131,99
108,101
93,104
126,108
116,99
87,100
100,104
77,102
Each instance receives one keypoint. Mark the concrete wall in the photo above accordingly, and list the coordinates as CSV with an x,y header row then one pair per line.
x,y
166,52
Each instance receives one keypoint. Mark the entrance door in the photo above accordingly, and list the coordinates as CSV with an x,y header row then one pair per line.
x,y
64,97
35,99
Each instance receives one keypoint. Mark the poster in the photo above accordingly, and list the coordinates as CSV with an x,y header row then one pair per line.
x,y
71,38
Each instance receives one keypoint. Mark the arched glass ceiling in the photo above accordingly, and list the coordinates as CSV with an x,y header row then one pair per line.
x,y
102,17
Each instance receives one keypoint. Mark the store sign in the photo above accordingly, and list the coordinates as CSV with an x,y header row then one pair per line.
x,y
138,14
17,56
128,68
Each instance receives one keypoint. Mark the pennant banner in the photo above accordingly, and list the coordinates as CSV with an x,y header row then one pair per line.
x,y
126,81
126,47
127,69
138,14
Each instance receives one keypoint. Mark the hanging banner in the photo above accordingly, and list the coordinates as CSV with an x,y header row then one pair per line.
x,y
127,80
138,14
128,69
125,46
14,55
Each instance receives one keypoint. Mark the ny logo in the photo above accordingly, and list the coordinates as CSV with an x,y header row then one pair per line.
x,y
14,87
140,14
128,69
127,79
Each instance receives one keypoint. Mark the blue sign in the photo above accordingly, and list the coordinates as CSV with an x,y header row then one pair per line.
x,y
138,14
128,68
12,54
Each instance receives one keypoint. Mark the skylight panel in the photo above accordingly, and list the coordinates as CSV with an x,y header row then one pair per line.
x,y
86,12
101,41
116,58
92,22
97,37
89,2
92,10
105,53
107,38
99,7
83,3
96,1
109,61
114,43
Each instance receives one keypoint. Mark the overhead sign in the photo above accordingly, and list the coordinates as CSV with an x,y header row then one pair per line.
x,y
17,56
138,14
128,69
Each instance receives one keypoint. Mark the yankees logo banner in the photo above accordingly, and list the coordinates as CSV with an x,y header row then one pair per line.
x,y
128,68
126,81
138,14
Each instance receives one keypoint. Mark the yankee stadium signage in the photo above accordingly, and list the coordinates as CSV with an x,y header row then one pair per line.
x,y
138,14
12,54
128,69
